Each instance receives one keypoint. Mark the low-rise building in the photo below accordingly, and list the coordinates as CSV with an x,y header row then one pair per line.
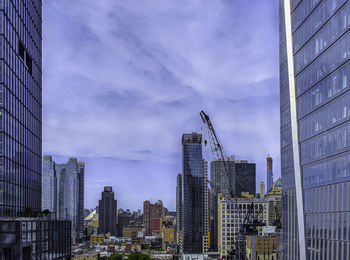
x,y
35,238
97,239
261,247
132,231
86,257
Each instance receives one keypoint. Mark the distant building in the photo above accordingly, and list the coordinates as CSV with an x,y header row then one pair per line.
x,y
219,178
269,172
123,221
245,177
49,185
64,186
156,226
206,207
151,211
261,189
232,212
107,212
168,232
179,227
192,193
261,247
132,232
242,176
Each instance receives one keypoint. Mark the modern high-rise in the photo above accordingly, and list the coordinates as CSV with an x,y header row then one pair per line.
x,y
63,192
269,172
49,185
30,236
315,128
20,107
107,218
192,193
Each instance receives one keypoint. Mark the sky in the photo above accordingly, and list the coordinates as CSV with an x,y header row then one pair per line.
x,y
123,80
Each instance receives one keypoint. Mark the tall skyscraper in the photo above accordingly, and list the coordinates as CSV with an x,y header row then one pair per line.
x,y
67,189
49,185
192,193
107,218
315,128
269,177
20,139
20,107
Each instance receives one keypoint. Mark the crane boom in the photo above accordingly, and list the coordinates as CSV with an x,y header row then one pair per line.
x,y
218,150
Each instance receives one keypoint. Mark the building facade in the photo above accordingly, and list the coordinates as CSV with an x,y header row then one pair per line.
x,y
231,213
33,238
107,218
314,87
49,185
151,211
65,184
179,211
192,193
20,107
245,177
206,209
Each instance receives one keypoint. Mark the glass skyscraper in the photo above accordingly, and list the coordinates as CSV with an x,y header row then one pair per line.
x,y
192,193
20,106
315,128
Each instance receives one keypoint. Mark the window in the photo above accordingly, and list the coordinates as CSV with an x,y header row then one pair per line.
x,y
25,57
21,50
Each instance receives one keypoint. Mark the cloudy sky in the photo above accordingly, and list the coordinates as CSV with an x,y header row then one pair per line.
x,y
122,80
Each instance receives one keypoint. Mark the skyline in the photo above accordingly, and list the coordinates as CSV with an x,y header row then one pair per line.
x,y
125,76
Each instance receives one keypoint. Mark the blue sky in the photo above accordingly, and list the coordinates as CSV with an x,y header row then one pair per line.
x,y
122,80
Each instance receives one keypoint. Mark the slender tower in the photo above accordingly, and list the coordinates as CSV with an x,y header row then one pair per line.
x,y
269,172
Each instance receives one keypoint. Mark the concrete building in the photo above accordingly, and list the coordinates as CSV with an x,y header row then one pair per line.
x,y
123,221
192,193
151,211
107,212
315,147
231,213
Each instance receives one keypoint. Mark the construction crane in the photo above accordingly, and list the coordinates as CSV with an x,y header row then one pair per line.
x,y
217,150
250,222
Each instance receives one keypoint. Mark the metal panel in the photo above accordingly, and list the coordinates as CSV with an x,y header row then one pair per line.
x,y
294,125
